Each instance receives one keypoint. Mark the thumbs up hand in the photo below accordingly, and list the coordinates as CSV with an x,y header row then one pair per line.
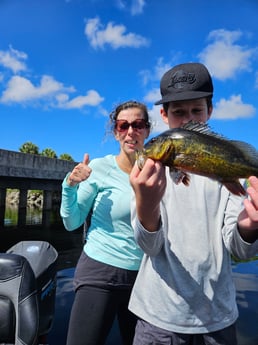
x,y
80,172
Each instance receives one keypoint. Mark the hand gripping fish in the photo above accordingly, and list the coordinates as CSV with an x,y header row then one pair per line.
x,y
194,148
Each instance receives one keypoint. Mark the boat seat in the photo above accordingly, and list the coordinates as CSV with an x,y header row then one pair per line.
x,y
27,292
18,301
42,257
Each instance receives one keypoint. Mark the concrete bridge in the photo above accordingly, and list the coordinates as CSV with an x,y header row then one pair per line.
x,y
25,172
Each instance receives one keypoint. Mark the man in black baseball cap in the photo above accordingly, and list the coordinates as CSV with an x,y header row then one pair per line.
x,y
188,234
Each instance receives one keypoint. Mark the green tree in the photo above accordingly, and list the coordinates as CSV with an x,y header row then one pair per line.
x,y
66,157
48,153
29,147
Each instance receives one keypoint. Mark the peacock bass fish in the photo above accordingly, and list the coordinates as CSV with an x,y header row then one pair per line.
x,y
194,148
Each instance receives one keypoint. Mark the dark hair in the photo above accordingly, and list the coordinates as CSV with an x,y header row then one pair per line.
x,y
126,105
208,100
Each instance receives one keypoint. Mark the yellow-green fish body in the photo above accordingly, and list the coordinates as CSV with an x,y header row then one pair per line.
x,y
194,148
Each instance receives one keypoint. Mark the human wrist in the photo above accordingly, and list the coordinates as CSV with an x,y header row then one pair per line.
x,y
151,221
70,181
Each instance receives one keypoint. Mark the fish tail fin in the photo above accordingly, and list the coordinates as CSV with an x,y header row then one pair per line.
x,y
235,187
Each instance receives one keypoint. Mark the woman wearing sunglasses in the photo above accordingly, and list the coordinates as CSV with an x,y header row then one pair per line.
x,y
108,265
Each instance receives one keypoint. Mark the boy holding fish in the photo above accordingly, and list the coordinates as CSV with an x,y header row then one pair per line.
x,y
184,292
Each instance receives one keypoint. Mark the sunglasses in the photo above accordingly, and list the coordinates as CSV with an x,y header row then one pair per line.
x,y
123,125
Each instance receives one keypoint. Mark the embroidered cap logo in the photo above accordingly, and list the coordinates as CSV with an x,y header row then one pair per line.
x,y
180,79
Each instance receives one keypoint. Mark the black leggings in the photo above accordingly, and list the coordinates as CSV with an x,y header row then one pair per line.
x,y
93,313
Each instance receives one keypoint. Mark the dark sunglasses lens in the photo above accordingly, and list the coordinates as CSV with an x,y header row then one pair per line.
x,y
138,124
123,125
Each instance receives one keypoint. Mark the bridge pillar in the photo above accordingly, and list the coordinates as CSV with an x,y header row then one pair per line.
x,y
22,210
2,205
47,207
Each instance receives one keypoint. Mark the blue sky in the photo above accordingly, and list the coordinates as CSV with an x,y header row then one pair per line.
x,y
65,65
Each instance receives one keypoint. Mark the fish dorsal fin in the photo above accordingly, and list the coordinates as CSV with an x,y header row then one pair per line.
x,y
249,151
203,128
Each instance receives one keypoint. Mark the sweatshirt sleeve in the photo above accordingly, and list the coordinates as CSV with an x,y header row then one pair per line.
x,y
243,250
76,203
150,242
232,239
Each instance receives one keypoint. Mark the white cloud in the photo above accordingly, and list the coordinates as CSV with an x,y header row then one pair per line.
x,y
224,57
150,76
152,96
232,109
158,125
20,89
113,35
48,93
136,6
92,98
256,80
121,4
13,60
151,80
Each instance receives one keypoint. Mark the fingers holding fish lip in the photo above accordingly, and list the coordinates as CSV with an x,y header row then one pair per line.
x,y
252,191
253,182
251,203
152,174
145,170
252,213
149,184
153,170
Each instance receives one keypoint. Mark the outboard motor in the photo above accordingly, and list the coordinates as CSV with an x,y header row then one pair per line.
x,y
27,292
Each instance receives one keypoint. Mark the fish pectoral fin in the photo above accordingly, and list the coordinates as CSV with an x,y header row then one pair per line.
x,y
186,179
235,187
179,176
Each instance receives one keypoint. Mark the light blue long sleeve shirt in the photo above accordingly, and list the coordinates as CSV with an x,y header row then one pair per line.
x,y
110,238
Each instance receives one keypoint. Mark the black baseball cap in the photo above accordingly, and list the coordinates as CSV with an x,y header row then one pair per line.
x,y
185,81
